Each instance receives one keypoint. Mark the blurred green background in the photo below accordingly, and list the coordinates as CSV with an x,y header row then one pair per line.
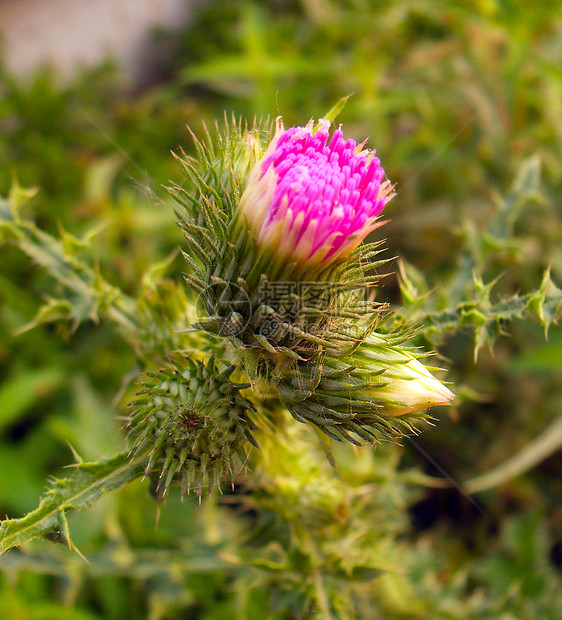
x,y
454,96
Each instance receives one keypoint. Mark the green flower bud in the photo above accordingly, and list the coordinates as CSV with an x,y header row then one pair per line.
x,y
405,385
194,421
381,389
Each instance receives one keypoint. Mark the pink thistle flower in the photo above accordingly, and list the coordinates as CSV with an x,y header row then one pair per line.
x,y
313,199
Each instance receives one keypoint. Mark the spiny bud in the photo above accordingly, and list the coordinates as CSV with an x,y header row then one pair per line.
x,y
405,384
164,310
379,390
276,257
194,422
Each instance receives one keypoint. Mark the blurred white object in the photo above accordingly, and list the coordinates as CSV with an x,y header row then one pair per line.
x,y
71,33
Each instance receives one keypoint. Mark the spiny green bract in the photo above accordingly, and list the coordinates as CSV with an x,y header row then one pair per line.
x,y
195,422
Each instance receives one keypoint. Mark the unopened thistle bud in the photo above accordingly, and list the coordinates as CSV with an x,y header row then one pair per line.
x,y
406,386
381,389
193,422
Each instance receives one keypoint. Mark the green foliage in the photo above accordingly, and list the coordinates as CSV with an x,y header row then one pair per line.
x,y
518,573
464,300
84,293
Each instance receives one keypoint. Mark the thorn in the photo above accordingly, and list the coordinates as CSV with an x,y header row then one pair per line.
x,y
75,454
75,548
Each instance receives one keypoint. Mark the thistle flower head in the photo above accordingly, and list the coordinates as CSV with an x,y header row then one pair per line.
x,y
312,198
275,257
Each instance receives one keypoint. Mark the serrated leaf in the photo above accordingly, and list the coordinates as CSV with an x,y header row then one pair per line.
x,y
156,271
488,318
18,197
77,491
413,288
86,292
52,311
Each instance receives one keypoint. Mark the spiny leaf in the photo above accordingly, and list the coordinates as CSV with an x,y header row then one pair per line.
x,y
488,318
86,292
77,491
465,300
546,303
137,563
50,312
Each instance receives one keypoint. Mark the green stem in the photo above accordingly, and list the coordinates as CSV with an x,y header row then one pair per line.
x,y
548,442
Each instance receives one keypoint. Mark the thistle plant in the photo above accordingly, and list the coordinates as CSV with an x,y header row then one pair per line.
x,y
105,347
274,220
275,331
279,311
194,422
